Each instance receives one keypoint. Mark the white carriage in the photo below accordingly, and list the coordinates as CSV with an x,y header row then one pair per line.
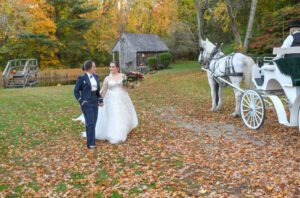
x,y
277,82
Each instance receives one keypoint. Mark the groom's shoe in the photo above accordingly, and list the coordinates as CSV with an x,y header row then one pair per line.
x,y
91,147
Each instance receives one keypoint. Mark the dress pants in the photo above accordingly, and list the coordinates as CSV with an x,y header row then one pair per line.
x,y
90,112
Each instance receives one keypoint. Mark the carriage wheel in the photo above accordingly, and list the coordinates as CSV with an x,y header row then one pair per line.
x,y
299,119
252,109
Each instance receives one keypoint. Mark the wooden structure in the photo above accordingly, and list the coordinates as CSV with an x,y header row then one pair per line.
x,y
132,50
20,73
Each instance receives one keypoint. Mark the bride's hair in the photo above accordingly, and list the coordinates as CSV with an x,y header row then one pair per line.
x,y
116,64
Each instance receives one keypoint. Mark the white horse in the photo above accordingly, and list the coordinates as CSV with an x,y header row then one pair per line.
x,y
234,67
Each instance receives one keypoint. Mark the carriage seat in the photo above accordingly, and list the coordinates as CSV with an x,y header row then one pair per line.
x,y
288,51
290,64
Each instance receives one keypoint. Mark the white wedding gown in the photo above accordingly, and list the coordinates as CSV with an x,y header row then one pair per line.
x,y
117,117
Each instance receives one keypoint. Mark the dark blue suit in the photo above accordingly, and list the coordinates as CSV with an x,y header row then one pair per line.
x,y
88,101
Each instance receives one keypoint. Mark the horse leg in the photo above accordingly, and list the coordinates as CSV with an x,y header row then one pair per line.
x,y
217,92
238,97
212,82
220,92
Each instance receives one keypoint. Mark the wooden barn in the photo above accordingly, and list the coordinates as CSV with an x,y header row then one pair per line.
x,y
132,50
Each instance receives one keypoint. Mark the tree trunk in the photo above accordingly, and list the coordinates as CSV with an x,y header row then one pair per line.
x,y
237,36
123,14
201,6
250,25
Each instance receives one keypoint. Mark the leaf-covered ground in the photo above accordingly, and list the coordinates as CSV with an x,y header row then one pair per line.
x,y
180,148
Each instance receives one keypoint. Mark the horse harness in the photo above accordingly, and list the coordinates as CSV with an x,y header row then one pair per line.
x,y
229,68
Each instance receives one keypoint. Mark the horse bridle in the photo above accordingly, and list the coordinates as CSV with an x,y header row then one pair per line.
x,y
212,55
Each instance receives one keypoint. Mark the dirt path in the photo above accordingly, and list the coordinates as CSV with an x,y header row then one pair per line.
x,y
236,162
229,131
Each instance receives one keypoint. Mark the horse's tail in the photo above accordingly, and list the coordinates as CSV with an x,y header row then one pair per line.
x,y
249,62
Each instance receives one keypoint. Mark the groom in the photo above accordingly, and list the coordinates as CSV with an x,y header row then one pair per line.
x,y
87,93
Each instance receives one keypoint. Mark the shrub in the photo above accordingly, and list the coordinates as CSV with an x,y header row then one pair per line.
x,y
152,62
165,59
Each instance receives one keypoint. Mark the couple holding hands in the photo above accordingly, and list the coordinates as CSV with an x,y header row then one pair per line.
x,y
108,113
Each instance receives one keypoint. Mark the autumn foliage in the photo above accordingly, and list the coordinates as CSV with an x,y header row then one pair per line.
x,y
274,29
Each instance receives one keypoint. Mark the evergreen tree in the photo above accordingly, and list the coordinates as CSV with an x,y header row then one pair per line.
x,y
72,24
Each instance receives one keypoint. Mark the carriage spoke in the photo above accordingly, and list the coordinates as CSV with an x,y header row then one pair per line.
x,y
252,121
251,99
247,114
246,110
248,99
248,118
247,102
258,101
258,106
258,118
259,113
257,121
248,107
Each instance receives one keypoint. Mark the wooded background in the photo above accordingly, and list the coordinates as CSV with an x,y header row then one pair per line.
x,y
64,33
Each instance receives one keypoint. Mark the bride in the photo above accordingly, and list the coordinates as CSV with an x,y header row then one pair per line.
x,y
117,117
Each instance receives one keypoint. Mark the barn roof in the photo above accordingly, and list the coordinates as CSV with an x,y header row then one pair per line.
x,y
143,43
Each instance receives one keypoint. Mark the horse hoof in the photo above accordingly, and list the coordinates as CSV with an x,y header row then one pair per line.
x,y
235,115
219,109
213,109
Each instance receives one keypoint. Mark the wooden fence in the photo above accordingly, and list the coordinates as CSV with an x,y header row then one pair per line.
x,y
62,76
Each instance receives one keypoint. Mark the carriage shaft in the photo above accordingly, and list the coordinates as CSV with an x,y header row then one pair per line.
x,y
223,80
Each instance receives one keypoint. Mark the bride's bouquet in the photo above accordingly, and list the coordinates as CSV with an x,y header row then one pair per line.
x,y
132,79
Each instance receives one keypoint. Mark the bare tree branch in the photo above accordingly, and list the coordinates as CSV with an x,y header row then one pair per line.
x,y
234,27
201,6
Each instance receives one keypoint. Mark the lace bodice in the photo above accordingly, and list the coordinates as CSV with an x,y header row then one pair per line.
x,y
113,85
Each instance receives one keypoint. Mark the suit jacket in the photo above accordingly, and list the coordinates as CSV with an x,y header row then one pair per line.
x,y
83,89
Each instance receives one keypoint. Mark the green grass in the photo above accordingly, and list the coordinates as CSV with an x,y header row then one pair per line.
x,y
61,187
27,114
181,66
34,186
77,175
102,176
116,195
3,187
